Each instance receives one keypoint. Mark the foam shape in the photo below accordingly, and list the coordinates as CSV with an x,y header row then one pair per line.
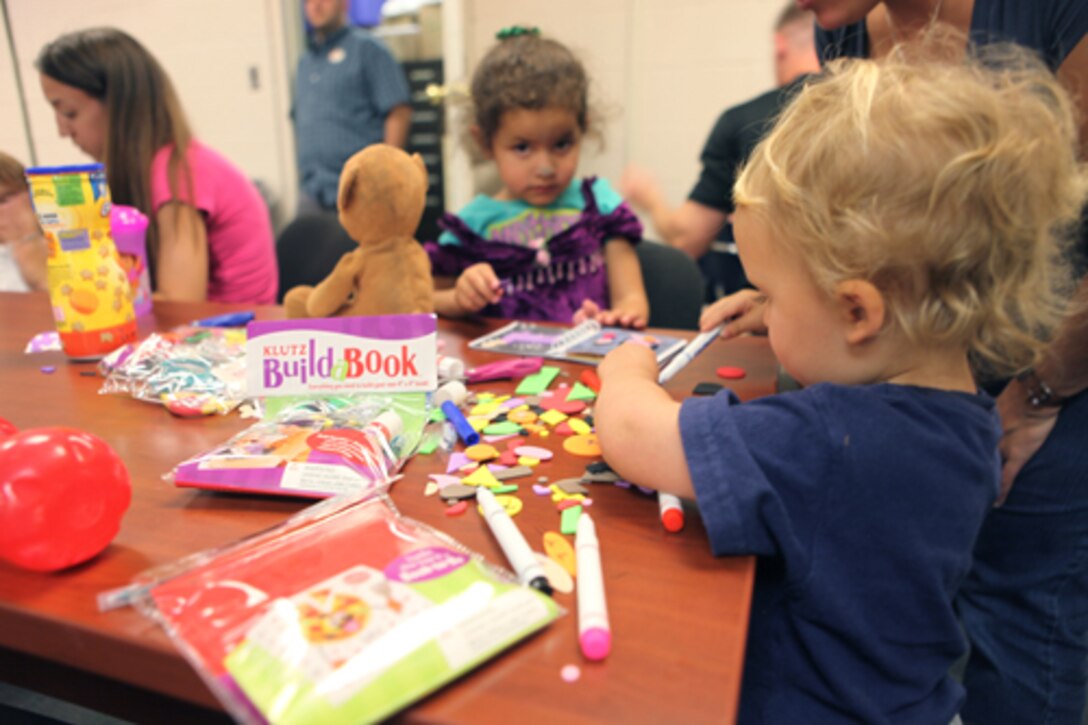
x,y
583,445
482,476
457,460
579,426
731,373
553,417
456,509
481,452
560,579
538,382
581,392
541,454
560,551
503,428
568,522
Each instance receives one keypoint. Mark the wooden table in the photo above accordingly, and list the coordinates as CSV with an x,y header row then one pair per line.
x,y
679,615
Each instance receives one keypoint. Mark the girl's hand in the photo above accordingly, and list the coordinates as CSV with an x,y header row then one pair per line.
x,y
743,308
635,317
477,287
628,361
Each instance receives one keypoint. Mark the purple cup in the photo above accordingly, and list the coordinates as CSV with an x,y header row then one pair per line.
x,y
128,226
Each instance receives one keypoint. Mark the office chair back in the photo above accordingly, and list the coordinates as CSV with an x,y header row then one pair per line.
x,y
308,248
674,286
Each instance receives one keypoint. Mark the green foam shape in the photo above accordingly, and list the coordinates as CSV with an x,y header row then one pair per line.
x,y
538,382
568,524
504,427
581,392
429,444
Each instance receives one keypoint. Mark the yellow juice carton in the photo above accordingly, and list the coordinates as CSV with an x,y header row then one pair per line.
x,y
88,288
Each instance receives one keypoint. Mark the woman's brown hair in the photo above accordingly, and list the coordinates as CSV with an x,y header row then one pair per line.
x,y
143,110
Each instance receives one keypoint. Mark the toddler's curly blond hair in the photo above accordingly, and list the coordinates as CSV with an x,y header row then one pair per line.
x,y
952,185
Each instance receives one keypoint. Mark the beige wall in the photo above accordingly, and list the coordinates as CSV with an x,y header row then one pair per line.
x,y
228,61
663,70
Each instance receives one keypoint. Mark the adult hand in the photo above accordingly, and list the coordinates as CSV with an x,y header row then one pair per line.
x,y
477,287
639,187
743,310
1024,430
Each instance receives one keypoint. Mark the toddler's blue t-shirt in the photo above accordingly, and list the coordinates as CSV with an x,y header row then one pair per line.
x,y
863,504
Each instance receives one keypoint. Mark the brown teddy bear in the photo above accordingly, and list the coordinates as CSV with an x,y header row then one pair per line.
x,y
382,194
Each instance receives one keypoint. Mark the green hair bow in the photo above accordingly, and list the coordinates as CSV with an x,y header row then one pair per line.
x,y
514,31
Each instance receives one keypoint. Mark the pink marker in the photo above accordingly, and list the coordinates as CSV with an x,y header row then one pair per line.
x,y
594,634
504,369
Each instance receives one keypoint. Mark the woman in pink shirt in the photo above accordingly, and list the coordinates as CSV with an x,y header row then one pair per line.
x,y
210,236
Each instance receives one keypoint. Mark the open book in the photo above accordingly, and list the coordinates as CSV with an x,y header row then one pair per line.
x,y
586,343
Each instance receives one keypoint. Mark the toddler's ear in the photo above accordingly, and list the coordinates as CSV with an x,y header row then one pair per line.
x,y
863,311
478,137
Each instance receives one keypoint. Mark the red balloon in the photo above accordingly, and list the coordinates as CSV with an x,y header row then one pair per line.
x,y
7,428
62,495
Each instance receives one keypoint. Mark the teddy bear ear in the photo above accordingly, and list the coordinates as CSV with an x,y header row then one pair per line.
x,y
422,168
347,188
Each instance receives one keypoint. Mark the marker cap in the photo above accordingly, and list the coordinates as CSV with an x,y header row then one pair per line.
x,y
391,423
453,391
596,643
672,520
450,367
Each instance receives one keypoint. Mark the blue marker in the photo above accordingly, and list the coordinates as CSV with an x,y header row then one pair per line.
x,y
230,319
461,425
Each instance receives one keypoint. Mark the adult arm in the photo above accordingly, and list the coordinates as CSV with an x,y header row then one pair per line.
x,y
690,227
1065,367
397,122
182,268
1065,372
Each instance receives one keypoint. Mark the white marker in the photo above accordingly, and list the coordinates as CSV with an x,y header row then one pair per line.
x,y
689,353
513,544
672,512
594,634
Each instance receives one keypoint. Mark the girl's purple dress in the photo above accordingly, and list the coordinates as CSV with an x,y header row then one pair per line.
x,y
543,281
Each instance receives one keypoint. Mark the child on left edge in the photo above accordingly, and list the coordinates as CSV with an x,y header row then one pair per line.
x,y
22,246
548,246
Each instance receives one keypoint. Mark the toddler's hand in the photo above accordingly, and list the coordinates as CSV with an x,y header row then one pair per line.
x,y
628,359
477,287
744,309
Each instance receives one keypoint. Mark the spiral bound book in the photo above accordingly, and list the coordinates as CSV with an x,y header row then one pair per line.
x,y
586,343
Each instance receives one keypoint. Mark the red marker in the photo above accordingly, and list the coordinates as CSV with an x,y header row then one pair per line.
x,y
590,380
672,512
